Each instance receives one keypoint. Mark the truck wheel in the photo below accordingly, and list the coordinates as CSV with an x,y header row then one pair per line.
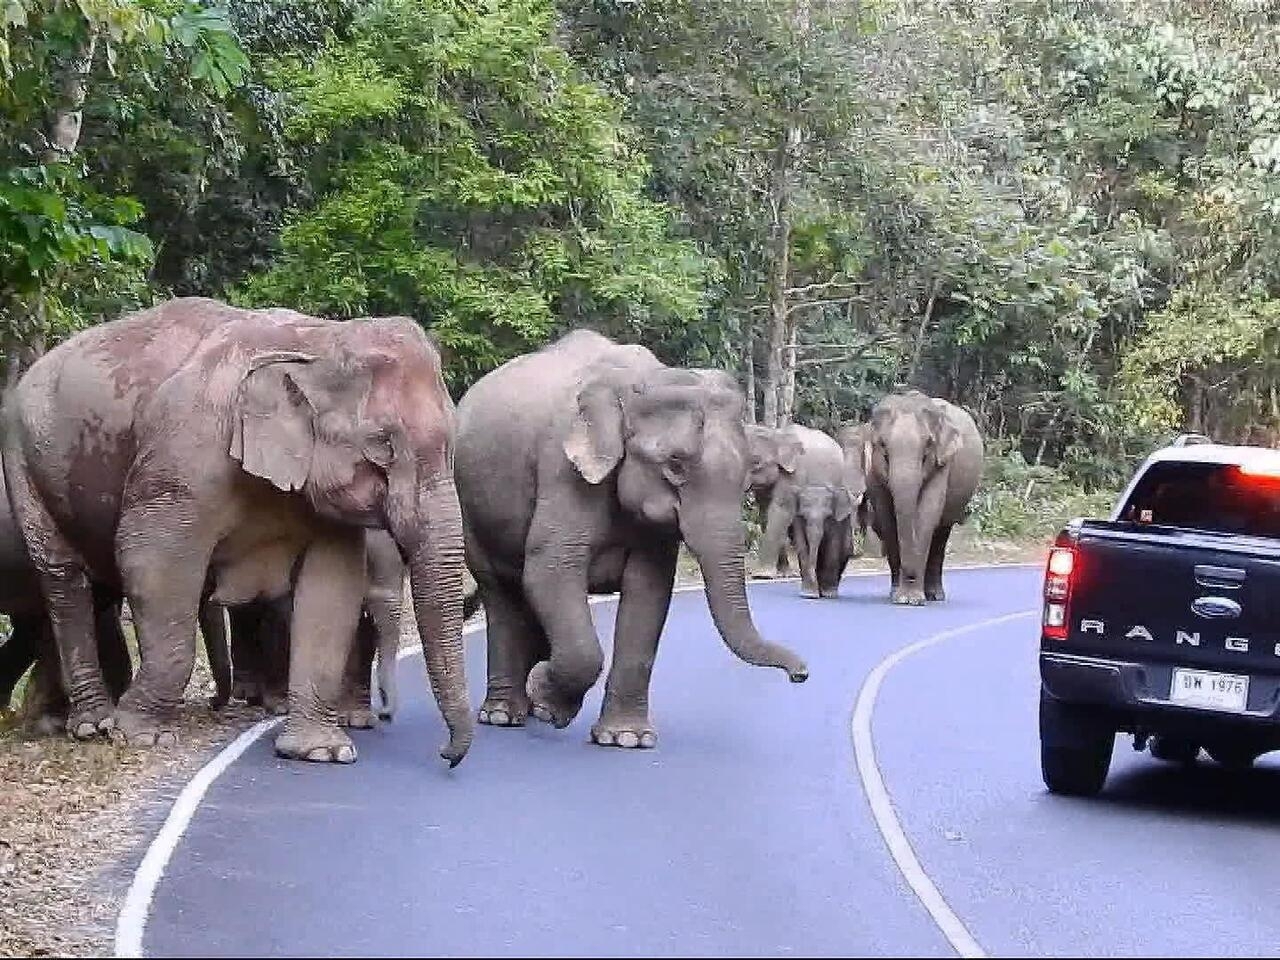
x,y
1174,750
1075,748
1234,758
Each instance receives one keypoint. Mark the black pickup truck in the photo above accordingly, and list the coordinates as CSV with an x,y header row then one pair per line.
x,y
1164,621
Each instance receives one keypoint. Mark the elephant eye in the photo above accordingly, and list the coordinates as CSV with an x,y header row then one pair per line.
x,y
675,469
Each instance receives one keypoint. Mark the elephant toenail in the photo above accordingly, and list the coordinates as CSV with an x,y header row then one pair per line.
x,y
346,755
628,739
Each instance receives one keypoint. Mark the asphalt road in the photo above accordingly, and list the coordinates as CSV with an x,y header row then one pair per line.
x,y
747,831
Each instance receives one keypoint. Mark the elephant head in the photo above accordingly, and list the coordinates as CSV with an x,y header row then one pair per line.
x,y
358,419
854,440
908,449
674,444
774,453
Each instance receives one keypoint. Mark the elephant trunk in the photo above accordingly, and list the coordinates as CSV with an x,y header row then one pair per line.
x,y
904,485
435,578
718,541
814,528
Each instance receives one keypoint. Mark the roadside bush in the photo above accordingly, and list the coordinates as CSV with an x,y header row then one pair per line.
x,y
1019,501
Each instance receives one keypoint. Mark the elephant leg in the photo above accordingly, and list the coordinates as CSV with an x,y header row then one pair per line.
x,y
113,650
772,551
833,557
647,580
275,653
556,589
515,642
213,630
18,654
164,577
933,567
355,707
246,655
327,599
886,530
804,557
387,614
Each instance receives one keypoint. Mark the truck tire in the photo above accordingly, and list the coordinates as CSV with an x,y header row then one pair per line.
x,y
1174,750
1075,748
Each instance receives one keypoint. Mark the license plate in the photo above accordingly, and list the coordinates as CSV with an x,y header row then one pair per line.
x,y
1211,691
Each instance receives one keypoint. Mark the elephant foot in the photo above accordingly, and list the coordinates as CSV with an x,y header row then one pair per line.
x,y
357,718
503,712
908,596
131,729
629,734
829,593
275,703
935,594
547,703
316,742
88,722
809,592
760,574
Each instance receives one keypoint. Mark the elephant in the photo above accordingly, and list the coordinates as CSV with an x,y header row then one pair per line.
x,y
581,468
260,643
923,460
194,441
799,477
852,438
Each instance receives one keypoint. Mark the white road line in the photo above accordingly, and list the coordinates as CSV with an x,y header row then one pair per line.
x,y
881,803
132,921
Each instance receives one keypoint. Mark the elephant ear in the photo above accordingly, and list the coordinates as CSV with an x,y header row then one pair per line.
x,y
273,433
946,438
594,444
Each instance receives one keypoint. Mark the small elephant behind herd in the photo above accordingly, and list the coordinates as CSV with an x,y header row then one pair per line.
x,y
282,474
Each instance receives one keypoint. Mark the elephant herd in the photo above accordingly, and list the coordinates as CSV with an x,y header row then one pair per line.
x,y
272,478
908,474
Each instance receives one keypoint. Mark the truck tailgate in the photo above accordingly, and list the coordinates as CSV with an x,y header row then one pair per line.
x,y
1163,594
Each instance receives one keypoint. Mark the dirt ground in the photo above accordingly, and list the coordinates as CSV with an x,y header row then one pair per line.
x,y
71,812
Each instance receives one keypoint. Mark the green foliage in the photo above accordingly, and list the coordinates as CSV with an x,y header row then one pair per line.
x,y
467,176
1017,501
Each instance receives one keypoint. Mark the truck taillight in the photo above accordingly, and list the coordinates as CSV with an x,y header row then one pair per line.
x,y
1057,591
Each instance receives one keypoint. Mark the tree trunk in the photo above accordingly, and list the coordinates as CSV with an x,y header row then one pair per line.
x,y
749,368
779,271
68,116
920,334
787,405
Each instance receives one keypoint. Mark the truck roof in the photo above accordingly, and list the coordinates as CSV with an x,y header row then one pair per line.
x,y
1223,453
1196,450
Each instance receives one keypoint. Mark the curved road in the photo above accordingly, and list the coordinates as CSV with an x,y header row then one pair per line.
x,y
747,832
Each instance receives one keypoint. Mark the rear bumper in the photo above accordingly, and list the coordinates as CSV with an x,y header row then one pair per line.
x,y
1137,695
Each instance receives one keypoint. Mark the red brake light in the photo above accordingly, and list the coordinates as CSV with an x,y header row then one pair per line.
x,y
1057,592
1062,562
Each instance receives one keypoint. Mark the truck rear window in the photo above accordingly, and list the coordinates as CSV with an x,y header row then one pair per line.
x,y
1206,496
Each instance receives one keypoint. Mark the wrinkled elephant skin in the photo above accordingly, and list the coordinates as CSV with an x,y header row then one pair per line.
x,y
581,468
196,443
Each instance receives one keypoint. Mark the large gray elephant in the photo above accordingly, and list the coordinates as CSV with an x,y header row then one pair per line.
x,y
799,477
581,468
260,643
196,440
923,460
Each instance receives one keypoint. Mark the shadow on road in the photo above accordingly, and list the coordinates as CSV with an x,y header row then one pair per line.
x,y
1246,796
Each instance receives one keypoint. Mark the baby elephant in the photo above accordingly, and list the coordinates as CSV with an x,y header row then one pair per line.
x,y
923,460
800,479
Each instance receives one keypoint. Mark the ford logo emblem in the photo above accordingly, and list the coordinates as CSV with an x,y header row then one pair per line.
x,y
1215,608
